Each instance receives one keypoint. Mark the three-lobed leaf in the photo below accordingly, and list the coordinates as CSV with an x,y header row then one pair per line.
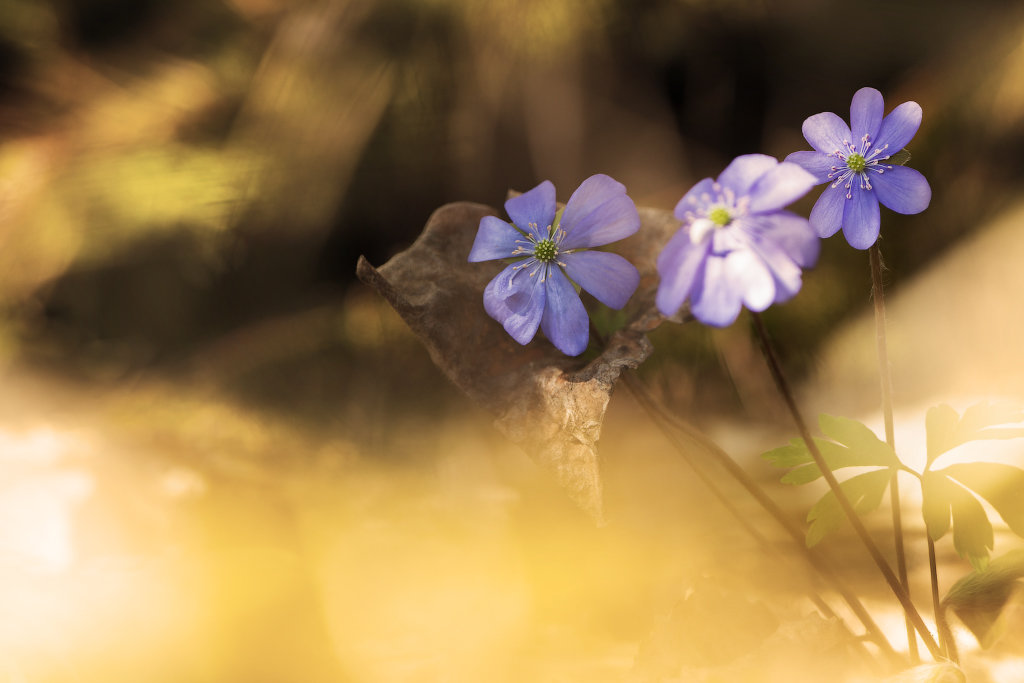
x,y
940,424
859,439
946,429
865,493
944,499
973,538
849,444
948,492
1001,485
936,497
950,495
836,457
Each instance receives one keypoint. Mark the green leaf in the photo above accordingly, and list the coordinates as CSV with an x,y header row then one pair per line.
x,y
862,442
792,454
801,475
899,158
982,415
947,430
836,457
865,493
940,425
1001,485
852,445
558,218
936,502
972,532
979,598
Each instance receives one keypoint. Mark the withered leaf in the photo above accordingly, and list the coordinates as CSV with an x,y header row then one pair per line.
x,y
550,404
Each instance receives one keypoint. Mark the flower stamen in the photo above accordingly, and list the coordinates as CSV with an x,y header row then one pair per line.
x,y
856,163
545,251
720,216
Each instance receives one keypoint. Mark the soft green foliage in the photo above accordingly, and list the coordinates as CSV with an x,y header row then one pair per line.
x,y
865,493
900,158
852,445
947,430
1001,485
972,531
951,494
979,599
857,437
936,492
950,489
797,456
849,444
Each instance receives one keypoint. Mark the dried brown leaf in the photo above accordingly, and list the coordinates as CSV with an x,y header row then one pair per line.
x,y
550,404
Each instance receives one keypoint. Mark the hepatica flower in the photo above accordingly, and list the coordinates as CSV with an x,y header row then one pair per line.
x,y
852,160
737,245
538,290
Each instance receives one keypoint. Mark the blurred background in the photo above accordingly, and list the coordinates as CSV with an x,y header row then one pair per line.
x,y
225,459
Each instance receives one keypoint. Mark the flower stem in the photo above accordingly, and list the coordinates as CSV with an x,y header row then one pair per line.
x,y
885,377
946,641
664,420
844,503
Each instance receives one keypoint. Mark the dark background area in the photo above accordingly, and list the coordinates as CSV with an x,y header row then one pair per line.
x,y
186,180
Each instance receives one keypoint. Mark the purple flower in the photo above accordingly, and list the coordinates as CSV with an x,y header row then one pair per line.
x,y
538,290
853,163
737,246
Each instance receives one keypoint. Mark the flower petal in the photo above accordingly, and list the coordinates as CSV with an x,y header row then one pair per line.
x,y
496,239
680,265
535,206
749,276
610,278
565,322
861,220
903,190
715,301
794,236
741,173
899,127
786,242
827,214
826,132
725,240
866,112
787,275
696,199
779,186
818,164
516,300
598,212
700,229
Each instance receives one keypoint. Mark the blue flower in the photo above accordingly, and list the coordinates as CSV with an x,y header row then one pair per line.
x,y
853,163
738,246
538,290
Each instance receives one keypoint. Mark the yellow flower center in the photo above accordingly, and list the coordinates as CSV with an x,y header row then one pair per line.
x,y
720,217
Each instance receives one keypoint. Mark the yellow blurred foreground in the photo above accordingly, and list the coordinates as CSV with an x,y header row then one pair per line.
x,y
152,534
